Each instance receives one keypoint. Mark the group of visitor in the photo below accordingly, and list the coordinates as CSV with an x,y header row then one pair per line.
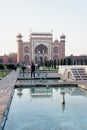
x,y
32,69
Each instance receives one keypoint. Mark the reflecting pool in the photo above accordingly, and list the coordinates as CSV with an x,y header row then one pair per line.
x,y
45,108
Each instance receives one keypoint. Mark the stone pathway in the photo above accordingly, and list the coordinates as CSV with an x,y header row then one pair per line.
x,y
6,93
83,84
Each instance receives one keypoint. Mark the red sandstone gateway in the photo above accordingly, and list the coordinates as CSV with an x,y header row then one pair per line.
x,y
40,48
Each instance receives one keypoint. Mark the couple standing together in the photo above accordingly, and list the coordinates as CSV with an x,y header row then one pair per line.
x,y
33,69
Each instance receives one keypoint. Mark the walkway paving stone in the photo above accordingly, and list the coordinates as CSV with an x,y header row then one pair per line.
x,y
6,88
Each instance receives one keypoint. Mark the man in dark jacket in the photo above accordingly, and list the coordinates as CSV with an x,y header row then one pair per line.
x,y
32,69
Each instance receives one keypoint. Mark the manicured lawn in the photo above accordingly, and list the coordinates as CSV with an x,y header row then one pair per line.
x,y
3,73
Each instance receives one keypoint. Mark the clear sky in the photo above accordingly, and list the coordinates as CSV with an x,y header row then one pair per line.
x,y
61,16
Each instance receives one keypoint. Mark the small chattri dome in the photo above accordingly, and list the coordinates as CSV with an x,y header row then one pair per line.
x,y
19,35
63,36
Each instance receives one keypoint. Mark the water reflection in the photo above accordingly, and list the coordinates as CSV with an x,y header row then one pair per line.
x,y
41,92
48,92
45,114
76,91
63,92
19,92
63,107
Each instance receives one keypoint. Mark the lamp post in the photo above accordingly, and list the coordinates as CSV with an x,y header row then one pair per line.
x,y
63,98
62,92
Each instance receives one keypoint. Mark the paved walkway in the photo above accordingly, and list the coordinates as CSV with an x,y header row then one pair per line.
x,y
6,94
83,84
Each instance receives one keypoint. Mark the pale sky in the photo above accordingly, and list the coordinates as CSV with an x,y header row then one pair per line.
x,y
61,16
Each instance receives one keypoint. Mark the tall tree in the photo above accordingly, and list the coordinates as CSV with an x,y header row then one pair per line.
x,y
13,54
55,63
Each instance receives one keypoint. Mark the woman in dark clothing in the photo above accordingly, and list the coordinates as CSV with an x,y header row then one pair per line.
x,y
32,70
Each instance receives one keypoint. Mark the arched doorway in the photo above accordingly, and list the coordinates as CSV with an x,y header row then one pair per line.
x,y
41,52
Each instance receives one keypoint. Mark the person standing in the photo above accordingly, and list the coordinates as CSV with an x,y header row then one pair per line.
x,y
32,69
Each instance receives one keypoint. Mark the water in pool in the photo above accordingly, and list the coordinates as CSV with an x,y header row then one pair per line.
x,y
45,108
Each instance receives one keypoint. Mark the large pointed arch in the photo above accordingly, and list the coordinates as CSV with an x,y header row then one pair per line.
x,y
41,49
